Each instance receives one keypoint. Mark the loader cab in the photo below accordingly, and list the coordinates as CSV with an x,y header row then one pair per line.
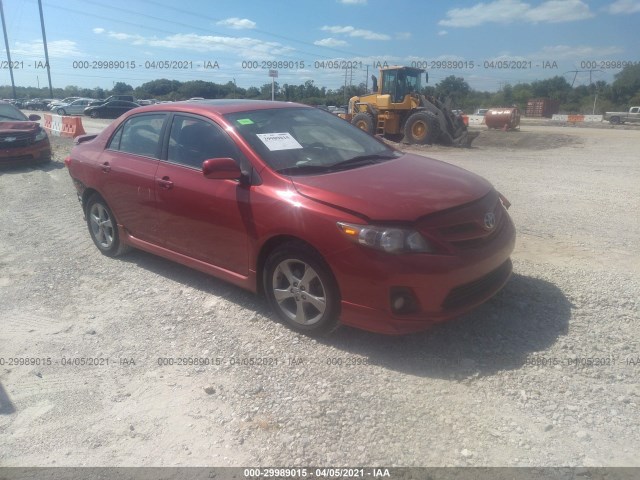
x,y
397,82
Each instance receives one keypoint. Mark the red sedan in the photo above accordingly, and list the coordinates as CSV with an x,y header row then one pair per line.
x,y
22,140
330,224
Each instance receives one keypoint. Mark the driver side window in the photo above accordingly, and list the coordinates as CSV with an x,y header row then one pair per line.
x,y
192,141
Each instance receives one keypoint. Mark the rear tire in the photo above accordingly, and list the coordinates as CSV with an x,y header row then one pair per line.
x,y
61,111
94,114
615,120
103,227
420,128
301,289
364,121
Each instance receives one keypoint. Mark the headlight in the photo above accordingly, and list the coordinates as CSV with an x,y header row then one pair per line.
x,y
387,239
41,135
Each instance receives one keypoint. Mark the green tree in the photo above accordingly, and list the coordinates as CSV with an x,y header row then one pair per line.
x,y
252,92
98,93
452,88
121,88
158,88
556,88
626,85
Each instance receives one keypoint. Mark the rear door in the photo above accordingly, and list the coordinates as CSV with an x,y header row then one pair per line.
x,y
129,165
77,107
115,108
201,218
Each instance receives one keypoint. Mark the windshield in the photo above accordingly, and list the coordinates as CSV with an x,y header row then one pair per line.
x,y
9,112
298,141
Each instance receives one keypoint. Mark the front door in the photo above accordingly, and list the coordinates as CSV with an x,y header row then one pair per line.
x,y
198,217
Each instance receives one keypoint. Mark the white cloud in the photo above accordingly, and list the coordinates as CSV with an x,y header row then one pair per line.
x,y
442,32
330,42
353,2
98,30
356,32
56,49
237,23
512,11
624,6
558,53
557,11
135,39
403,35
579,52
244,46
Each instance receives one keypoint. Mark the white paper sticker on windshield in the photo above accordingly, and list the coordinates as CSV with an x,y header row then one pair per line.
x,y
279,141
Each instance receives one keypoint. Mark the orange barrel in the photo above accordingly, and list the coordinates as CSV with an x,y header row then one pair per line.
x,y
465,120
503,118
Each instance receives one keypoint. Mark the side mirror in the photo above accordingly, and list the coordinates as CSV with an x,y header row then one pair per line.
x,y
221,169
34,118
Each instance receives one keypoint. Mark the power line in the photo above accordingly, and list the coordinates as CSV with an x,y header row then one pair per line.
x,y
582,71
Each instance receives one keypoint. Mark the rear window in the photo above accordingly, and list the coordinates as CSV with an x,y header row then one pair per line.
x,y
139,135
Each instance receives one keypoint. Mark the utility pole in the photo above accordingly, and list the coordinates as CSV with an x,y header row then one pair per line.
x,y
366,84
6,44
46,51
345,87
595,99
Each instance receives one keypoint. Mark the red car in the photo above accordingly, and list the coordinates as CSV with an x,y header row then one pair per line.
x,y
331,224
22,140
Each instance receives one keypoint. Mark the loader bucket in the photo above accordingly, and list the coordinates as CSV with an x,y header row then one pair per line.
x,y
465,139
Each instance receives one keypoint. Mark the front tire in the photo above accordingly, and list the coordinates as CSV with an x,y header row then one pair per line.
x,y
301,289
61,111
94,114
364,121
103,227
420,129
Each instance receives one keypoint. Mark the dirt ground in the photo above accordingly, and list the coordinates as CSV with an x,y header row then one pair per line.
x,y
96,354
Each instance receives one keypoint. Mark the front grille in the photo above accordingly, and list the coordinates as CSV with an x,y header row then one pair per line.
x,y
12,160
16,140
483,236
464,227
479,289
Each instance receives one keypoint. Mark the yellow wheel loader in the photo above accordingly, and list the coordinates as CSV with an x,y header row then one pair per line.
x,y
397,108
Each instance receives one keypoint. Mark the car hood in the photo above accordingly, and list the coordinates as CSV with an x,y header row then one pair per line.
x,y
19,126
402,189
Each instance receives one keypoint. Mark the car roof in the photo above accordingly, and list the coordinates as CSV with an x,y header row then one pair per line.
x,y
221,107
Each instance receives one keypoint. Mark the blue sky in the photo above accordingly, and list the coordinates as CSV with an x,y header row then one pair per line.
x,y
309,38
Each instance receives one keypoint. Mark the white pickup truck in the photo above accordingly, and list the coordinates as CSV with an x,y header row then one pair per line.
x,y
633,115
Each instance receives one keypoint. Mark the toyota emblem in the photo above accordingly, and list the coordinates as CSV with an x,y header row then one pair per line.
x,y
489,220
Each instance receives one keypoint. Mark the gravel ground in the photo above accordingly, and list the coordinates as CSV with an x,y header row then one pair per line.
x,y
545,374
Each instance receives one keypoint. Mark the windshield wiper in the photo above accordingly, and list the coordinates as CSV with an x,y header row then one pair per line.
x,y
364,160
345,164
302,169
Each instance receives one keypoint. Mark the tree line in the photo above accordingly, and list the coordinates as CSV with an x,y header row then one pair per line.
x,y
597,97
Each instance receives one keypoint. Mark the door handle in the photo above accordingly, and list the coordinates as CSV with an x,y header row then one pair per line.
x,y
165,183
106,168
